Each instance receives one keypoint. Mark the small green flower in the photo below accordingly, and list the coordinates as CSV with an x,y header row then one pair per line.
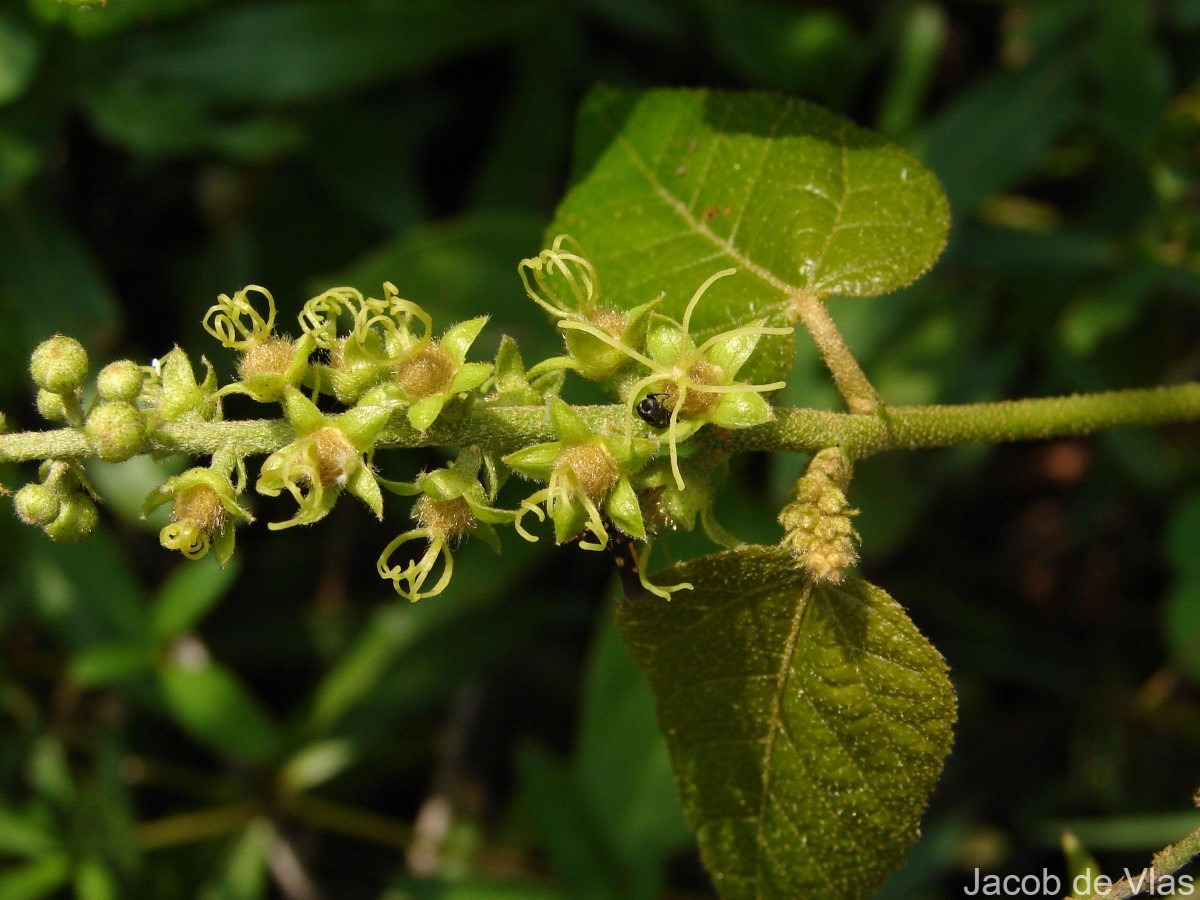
x,y
173,392
696,384
267,363
513,386
451,504
204,510
236,323
379,333
585,473
429,375
565,284
327,456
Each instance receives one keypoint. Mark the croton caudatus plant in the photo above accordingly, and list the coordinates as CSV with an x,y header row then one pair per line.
x,y
806,716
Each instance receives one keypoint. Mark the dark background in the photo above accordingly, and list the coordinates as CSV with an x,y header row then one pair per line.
x,y
156,152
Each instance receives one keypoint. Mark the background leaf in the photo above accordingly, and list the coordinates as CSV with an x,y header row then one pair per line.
x,y
609,819
807,725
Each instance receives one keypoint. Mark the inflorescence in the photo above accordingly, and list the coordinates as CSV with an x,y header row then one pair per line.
x,y
376,360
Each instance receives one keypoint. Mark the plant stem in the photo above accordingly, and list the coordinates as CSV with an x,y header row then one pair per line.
x,y
502,429
200,825
849,377
912,427
1166,863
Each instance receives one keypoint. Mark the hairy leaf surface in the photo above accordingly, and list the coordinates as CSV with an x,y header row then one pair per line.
x,y
807,725
671,186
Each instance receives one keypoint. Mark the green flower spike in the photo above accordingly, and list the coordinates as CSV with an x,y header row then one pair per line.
x,y
327,456
204,511
585,472
267,363
429,376
696,384
451,504
565,284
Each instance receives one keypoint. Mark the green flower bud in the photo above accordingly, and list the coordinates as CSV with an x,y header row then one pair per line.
x,y
50,406
117,430
36,504
76,520
120,380
59,364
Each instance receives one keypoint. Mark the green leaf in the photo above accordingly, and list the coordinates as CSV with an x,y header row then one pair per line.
x,y
243,875
94,881
190,591
1132,72
610,819
622,764
37,879
49,278
23,834
209,703
807,725
18,59
575,848
672,186
993,136
312,49
50,772
111,663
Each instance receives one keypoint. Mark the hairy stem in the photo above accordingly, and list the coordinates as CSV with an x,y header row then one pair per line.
x,y
849,377
913,427
1166,863
506,428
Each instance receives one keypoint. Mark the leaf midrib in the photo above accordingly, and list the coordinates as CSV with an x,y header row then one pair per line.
x,y
774,727
680,209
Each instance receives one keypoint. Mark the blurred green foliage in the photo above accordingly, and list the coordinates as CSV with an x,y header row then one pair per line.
x,y
286,728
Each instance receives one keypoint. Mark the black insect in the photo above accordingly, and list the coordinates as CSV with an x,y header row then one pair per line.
x,y
652,411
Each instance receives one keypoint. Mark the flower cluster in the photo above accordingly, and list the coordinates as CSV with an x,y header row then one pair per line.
x,y
204,508
62,503
368,369
451,504
693,384
817,522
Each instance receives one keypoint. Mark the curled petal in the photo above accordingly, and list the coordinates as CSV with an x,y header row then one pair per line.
x,y
236,323
319,317
563,281
186,538
530,505
409,580
656,590
595,525
392,320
